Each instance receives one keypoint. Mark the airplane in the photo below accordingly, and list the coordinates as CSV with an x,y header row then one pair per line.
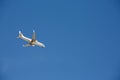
x,y
31,42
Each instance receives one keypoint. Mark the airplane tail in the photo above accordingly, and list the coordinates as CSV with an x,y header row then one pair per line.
x,y
20,34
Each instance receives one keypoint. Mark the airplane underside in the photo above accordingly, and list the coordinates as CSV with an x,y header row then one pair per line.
x,y
31,42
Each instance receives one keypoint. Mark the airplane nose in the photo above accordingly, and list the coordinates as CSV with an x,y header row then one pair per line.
x,y
43,46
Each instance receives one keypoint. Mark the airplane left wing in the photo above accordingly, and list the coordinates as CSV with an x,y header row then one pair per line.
x,y
39,44
26,45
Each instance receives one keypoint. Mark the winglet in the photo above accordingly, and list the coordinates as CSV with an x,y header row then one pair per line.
x,y
33,30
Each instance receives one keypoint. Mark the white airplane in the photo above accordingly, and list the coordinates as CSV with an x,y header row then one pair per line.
x,y
31,42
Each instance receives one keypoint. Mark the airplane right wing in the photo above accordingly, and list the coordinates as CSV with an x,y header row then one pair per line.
x,y
34,35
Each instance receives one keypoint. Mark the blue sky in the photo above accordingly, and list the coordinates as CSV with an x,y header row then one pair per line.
x,y
82,39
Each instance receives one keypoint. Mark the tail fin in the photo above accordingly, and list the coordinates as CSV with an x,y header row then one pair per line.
x,y
20,34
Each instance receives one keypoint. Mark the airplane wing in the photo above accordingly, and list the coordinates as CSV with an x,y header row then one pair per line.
x,y
34,35
39,44
26,45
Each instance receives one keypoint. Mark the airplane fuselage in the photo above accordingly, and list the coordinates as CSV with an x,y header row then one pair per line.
x,y
32,42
